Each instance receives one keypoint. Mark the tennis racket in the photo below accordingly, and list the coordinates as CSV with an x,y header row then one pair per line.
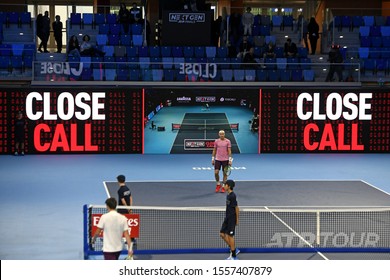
x,y
227,170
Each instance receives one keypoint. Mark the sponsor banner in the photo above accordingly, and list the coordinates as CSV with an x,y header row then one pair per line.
x,y
133,221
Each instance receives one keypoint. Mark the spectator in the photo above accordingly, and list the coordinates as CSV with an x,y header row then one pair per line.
x,y
249,61
39,23
245,46
135,14
124,17
247,21
57,30
45,31
269,51
313,30
335,59
290,48
87,49
74,47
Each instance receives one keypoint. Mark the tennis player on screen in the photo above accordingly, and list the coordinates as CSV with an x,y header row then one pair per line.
x,y
221,157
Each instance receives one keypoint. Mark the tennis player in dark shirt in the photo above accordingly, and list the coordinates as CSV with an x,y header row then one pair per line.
x,y
124,195
231,219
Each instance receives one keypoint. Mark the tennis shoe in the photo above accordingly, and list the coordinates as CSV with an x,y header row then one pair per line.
x,y
218,188
222,190
237,252
230,258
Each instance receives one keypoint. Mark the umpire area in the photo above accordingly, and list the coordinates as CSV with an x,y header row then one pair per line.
x,y
288,194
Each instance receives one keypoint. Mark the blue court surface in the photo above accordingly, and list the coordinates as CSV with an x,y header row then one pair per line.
x,y
42,196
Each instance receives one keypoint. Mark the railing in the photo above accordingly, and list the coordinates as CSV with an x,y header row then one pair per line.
x,y
268,72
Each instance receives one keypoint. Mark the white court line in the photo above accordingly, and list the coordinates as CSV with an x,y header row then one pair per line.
x,y
296,233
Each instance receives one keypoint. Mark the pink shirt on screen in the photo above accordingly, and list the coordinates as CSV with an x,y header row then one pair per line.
x,y
221,147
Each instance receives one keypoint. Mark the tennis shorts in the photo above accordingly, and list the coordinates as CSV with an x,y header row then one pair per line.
x,y
228,226
218,164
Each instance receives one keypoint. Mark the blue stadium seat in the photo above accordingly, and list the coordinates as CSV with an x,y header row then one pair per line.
x,y
120,51
87,18
365,41
270,63
227,75
346,22
109,50
368,64
385,31
4,64
357,21
262,75
167,62
177,51
125,39
25,18
143,51
375,31
285,75
166,51
293,63
188,51
239,75
235,62
305,63
157,74
288,21
137,40
133,62
279,51
121,62
144,62
104,28
364,31
13,18
222,52
265,30
131,51
16,63
273,75
375,52
17,49
99,19
200,52
29,50
369,20
281,63
86,61
154,51
376,42
111,18
86,74
75,19
380,20
250,75
256,30
257,20
113,39
277,21
179,76
302,52
296,75
27,61
109,62
146,75
155,62
178,62
98,74
308,75
169,75
110,74
5,49
135,74
136,29
115,28
122,74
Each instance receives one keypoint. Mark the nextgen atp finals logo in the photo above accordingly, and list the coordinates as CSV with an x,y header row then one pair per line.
x,y
69,113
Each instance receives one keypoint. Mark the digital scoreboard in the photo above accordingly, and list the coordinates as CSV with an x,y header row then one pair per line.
x,y
74,121
317,121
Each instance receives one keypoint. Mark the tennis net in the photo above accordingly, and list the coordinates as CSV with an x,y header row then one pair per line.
x,y
261,229
205,126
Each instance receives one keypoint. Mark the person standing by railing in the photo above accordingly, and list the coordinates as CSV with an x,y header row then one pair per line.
x,y
57,30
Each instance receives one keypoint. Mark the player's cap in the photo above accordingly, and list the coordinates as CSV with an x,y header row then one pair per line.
x,y
230,183
121,178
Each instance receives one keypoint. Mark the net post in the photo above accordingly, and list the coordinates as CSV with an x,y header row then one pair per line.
x,y
85,233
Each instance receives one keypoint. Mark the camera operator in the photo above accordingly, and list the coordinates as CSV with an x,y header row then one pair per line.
x,y
336,60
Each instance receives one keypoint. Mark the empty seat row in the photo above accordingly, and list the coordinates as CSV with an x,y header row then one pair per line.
x,y
357,21
15,18
17,49
365,52
378,41
177,75
374,31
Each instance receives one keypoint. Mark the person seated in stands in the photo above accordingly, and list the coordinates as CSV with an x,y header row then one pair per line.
x,y
245,46
290,48
269,51
87,49
74,47
249,61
